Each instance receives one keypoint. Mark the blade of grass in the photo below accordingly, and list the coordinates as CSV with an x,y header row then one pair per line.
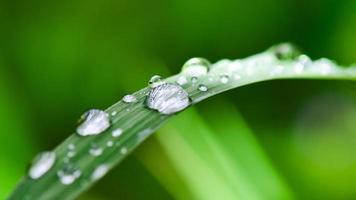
x,y
138,122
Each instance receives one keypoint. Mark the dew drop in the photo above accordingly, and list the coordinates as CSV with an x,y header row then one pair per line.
x,y
224,79
109,143
117,132
68,175
93,122
196,67
41,164
123,150
129,98
203,88
155,81
71,154
113,113
99,172
95,150
71,147
168,98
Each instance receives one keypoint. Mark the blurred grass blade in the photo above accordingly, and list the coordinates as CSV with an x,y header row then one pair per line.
x,y
212,167
138,122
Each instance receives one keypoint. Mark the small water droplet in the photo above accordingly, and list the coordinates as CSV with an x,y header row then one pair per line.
x,y
144,134
196,67
41,164
71,154
93,122
168,98
123,150
68,175
224,79
95,150
129,98
117,132
109,143
113,113
71,147
182,80
155,81
203,88
99,172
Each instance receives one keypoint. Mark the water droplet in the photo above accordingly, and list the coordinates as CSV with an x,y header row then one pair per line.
x,y
109,143
285,51
144,134
93,122
99,172
129,98
71,147
203,88
123,150
155,81
196,67
113,113
324,66
117,132
95,150
68,175
168,98
182,80
71,154
41,164
224,79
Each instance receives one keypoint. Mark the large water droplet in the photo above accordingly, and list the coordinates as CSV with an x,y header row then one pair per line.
x,y
99,172
68,175
155,81
93,122
202,88
196,67
41,164
129,98
168,98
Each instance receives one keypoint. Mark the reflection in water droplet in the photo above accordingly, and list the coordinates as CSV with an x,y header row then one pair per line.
x,y
168,98
41,164
196,67
93,122
155,81
129,98
68,175
117,132
203,88
99,172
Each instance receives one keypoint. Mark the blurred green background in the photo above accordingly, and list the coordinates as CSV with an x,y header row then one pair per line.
x,y
287,139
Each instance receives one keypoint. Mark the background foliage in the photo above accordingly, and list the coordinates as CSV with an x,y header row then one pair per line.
x,y
57,59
